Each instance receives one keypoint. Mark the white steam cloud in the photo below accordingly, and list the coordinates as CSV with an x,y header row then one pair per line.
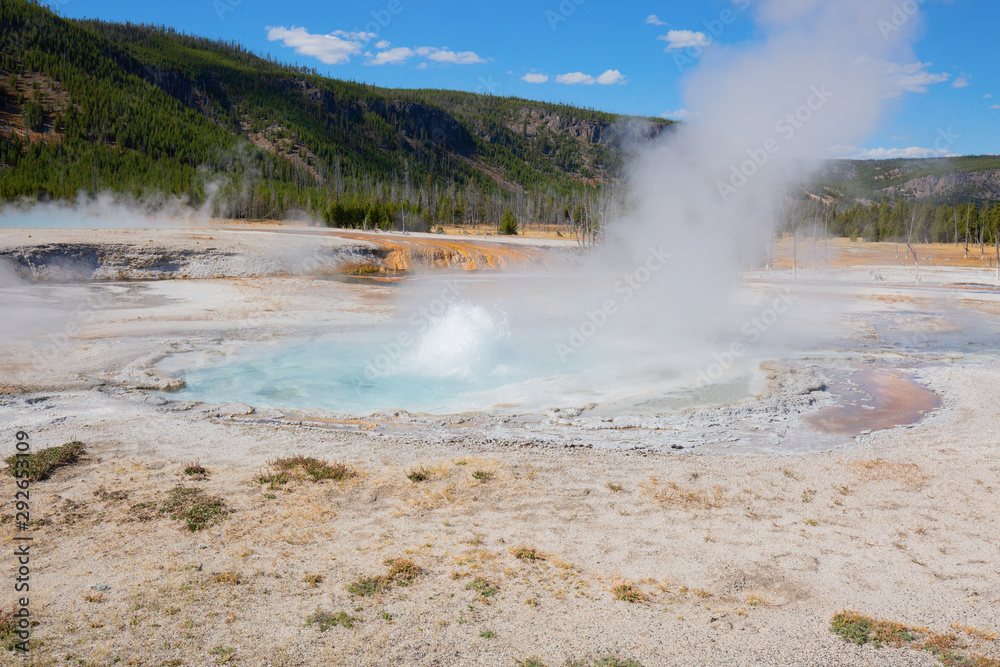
x,y
108,211
661,292
704,196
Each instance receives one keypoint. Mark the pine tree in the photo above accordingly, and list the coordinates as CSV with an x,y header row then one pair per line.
x,y
508,223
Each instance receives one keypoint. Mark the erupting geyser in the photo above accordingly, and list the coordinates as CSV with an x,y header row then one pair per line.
x,y
702,199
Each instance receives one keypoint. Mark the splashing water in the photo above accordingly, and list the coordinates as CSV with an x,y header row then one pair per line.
x,y
467,343
458,360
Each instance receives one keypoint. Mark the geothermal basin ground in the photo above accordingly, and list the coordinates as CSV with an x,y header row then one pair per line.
x,y
266,480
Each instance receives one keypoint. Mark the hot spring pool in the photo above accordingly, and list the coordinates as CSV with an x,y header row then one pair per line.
x,y
470,358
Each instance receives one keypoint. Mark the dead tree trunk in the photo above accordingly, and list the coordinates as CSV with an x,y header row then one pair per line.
x,y
826,244
909,238
795,253
770,244
968,215
815,233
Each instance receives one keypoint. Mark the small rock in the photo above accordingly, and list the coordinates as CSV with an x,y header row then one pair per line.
x,y
173,384
234,409
101,587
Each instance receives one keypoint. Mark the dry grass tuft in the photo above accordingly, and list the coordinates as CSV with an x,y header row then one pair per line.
x,y
306,467
948,647
110,496
8,629
945,647
443,484
483,587
401,572
229,578
626,591
528,553
880,470
861,629
313,580
975,633
190,505
419,474
673,495
368,586
195,470
325,620
952,651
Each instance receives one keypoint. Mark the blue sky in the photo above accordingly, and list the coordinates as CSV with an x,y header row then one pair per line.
x,y
614,56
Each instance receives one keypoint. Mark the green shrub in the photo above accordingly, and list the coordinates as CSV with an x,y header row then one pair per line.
x,y
36,466
325,620
309,466
860,629
194,508
483,587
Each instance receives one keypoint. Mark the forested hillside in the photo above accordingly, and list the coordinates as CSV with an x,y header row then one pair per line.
x,y
929,181
88,106
939,200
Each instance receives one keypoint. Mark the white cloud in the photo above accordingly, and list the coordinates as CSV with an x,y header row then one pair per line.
x,y
401,54
655,20
682,39
912,77
576,77
395,56
988,96
995,106
337,48
463,58
961,82
677,114
535,78
855,153
611,77
354,36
